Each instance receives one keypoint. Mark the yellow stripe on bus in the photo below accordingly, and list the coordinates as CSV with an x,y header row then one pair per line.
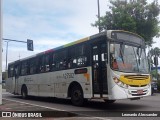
x,y
135,80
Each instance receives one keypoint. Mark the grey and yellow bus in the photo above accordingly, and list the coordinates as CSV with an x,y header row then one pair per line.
x,y
110,65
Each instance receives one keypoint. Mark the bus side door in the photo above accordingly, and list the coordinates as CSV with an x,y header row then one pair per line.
x,y
99,68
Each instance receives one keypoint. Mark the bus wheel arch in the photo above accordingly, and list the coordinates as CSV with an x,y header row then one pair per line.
x,y
24,91
75,91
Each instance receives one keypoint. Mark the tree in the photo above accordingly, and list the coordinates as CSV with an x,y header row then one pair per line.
x,y
153,73
152,53
134,15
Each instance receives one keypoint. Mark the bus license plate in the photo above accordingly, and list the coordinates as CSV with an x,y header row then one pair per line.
x,y
139,91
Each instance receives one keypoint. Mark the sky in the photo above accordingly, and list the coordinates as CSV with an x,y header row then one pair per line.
x,y
49,23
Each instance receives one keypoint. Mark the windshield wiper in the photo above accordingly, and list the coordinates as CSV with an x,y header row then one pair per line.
x,y
121,53
139,53
136,58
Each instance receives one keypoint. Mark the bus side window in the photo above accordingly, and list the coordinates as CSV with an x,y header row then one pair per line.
x,y
10,71
33,66
17,70
41,64
24,68
72,63
53,64
71,57
63,64
47,62
77,56
81,61
81,55
59,60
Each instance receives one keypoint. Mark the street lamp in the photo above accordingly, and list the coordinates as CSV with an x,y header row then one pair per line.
x,y
29,46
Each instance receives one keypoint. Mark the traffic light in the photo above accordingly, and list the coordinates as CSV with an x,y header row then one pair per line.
x,y
29,45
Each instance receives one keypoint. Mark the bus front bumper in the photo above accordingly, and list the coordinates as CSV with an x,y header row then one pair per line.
x,y
130,93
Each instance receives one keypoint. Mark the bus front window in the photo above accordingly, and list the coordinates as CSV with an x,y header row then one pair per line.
x,y
127,58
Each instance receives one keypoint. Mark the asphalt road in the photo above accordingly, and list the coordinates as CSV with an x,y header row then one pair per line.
x,y
98,109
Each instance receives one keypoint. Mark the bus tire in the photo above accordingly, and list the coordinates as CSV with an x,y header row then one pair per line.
x,y
109,101
77,98
24,92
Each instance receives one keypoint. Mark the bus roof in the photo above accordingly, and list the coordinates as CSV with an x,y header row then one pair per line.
x,y
108,33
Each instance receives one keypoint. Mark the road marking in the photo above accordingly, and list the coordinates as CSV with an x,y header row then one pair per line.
x,y
100,118
34,105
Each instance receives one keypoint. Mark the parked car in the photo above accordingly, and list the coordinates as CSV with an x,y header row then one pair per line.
x,y
154,87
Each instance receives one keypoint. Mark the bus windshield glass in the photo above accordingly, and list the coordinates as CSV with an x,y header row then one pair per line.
x,y
128,58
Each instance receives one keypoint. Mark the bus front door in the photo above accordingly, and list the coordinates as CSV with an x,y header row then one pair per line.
x,y
99,69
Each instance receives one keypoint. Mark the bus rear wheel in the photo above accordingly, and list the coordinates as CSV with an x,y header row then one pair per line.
x,y
77,96
24,92
109,101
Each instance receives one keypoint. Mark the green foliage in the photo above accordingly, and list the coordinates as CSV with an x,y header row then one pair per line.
x,y
153,73
157,51
134,16
152,53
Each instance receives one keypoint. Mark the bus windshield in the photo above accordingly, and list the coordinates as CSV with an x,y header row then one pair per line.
x,y
127,58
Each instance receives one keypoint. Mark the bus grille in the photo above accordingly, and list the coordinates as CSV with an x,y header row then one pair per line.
x,y
136,77
134,92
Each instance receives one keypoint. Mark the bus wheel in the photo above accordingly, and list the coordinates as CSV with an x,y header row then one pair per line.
x,y
24,92
109,101
77,96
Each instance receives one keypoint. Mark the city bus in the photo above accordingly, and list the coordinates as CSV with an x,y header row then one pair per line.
x,y
110,65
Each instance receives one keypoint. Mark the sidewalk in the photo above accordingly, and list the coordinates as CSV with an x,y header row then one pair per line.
x,y
35,112
17,108
26,111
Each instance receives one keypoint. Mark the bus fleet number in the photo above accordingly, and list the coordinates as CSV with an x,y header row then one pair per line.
x,y
68,75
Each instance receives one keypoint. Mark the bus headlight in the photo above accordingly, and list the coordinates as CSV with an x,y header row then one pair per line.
x,y
120,83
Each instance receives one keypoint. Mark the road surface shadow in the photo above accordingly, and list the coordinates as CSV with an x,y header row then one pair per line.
x,y
117,106
98,105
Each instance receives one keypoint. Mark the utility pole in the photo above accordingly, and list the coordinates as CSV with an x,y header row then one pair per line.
x,y
98,16
0,52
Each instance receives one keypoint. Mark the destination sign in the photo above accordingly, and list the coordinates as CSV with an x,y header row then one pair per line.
x,y
128,37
